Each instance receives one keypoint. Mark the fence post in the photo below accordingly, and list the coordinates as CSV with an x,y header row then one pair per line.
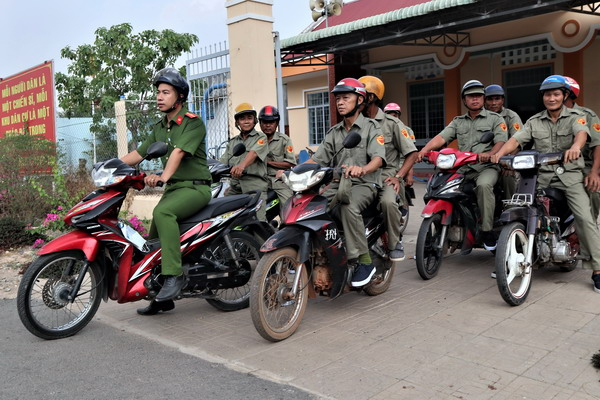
x,y
121,117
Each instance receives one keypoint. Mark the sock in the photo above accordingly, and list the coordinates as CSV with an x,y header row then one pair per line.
x,y
365,259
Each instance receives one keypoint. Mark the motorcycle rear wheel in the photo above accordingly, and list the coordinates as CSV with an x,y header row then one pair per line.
x,y
247,250
42,301
512,278
429,252
276,317
383,276
404,220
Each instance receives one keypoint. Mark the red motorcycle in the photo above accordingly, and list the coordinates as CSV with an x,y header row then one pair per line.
x,y
104,257
308,256
451,217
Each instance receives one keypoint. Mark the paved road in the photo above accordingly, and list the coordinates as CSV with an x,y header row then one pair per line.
x,y
103,362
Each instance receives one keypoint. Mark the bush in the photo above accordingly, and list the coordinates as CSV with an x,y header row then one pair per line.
x,y
14,233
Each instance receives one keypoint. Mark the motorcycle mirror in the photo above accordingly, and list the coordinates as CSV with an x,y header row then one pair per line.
x,y
352,140
156,150
238,150
487,137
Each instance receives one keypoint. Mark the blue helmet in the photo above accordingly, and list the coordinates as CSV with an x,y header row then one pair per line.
x,y
555,82
494,90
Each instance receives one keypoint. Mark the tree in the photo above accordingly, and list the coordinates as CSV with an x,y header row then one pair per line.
x,y
118,63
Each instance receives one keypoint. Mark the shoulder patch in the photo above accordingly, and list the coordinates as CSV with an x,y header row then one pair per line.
x,y
405,133
516,126
503,127
289,149
261,142
380,140
191,115
581,121
596,127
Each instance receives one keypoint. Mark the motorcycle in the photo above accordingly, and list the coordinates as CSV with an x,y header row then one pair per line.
x,y
409,195
307,256
539,228
450,216
104,258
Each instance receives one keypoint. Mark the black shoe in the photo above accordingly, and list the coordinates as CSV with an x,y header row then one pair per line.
x,y
362,274
171,287
155,307
596,279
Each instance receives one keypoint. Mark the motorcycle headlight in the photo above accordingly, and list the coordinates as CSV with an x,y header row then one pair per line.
x,y
105,177
304,180
523,162
445,161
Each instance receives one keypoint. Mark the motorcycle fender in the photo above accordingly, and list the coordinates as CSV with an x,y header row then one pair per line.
x,y
74,240
443,207
514,214
290,236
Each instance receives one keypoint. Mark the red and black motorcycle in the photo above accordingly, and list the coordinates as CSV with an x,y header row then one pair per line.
x,y
104,257
451,217
308,256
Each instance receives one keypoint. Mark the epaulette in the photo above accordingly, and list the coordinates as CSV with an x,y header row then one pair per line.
x,y
191,115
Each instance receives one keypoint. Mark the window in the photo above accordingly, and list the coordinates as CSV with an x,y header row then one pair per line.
x,y
426,109
522,90
318,117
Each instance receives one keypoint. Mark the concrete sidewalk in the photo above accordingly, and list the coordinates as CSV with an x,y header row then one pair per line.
x,y
450,337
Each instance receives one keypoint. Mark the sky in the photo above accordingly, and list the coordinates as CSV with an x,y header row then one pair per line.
x,y
35,31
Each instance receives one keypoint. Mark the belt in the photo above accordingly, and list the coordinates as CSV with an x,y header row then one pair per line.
x,y
194,182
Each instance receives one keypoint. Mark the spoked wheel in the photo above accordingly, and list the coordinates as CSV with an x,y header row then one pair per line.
x,y
513,277
42,300
384,272
429,249
404,219
276,312
246,248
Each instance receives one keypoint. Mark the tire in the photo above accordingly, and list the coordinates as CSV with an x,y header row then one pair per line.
x,y
247,249
274,317
404,220
513,280
429,259
41,299
383,276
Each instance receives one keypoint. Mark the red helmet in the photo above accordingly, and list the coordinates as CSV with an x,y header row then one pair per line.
x,y
573,86
392,107
350,85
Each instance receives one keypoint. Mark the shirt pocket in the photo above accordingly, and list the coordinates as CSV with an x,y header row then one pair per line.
x,y
542,141
564,140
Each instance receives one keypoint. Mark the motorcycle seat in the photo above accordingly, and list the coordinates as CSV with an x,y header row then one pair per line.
x,y
555,194
271,195
216,207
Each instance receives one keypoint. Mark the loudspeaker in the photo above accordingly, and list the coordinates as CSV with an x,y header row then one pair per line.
x,y
317,14
316,4
334,9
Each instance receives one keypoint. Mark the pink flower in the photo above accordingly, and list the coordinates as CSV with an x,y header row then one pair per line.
x,y
38,243
59,208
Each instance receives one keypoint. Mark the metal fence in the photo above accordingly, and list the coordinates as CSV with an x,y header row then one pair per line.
x,y
208,73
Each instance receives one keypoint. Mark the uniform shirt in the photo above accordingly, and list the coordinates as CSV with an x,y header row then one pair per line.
x,y
550,137
186,132
256,141
371,146
397,142
280,150
468,132
512,120
593,124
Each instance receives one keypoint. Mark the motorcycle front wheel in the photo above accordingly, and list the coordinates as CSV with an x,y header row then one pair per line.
x,y
42,299
429,250
247,252
512,276
275,313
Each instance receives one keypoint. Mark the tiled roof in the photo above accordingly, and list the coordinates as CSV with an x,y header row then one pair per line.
x,y
365,10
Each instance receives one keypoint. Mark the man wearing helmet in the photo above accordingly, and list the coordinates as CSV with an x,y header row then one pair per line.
x,y
362,165
185,175
249,171
400,155
468,129
494,101
281,151
395,111
562,129
591,171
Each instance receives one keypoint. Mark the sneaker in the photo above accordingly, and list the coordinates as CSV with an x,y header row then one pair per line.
x,y
489,241
362,274
493,275
596,279
398,253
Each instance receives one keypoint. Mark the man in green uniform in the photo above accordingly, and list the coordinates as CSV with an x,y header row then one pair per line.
x,y
591,150
249,171
362,164
185,174
468,129
562,129
400,155
494,101
281,151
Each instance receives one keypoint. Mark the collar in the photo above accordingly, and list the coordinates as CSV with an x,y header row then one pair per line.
x,y
380,115
276,136
178,119
253,132
563,113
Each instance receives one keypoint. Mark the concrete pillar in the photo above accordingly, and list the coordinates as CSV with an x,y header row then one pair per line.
x,y
251,52
121,122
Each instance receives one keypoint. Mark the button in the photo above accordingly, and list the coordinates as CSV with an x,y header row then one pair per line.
x,y
560,170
